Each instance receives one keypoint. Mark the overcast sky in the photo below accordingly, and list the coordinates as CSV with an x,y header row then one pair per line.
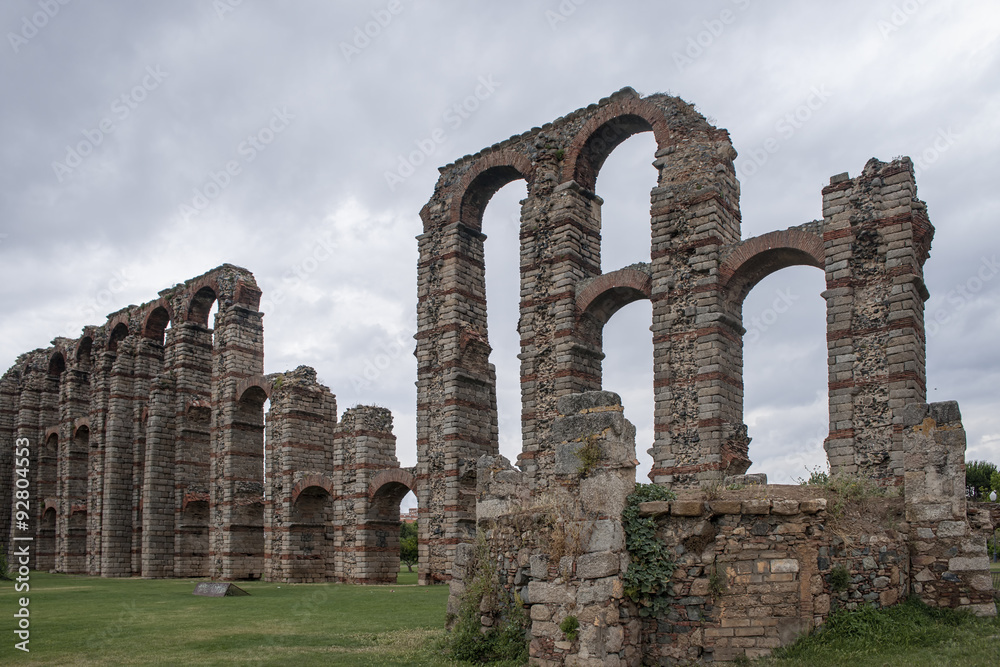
x,y
144,143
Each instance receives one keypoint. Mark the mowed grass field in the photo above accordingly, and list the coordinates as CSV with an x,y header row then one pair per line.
x,y
79,620
91,621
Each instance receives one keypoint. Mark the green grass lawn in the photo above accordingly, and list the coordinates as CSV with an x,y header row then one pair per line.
x,y
79,620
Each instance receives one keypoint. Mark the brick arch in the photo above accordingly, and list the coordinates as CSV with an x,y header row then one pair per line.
x,y
486,176
610,125
57,361
258,381
321,481
392,476
49,432
755,259
81,422
199,299
155,318
118,329
610,292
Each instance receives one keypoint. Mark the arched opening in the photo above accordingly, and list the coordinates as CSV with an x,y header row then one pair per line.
x,y
502,220
118,334
57,364
156,324
409,550
46,545
201,306
245,471
601,142
379,535
83,353
311,546
76,501
48,459
785,374
628,371
624,183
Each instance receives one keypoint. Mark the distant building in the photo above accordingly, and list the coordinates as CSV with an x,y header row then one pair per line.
x,y
408,517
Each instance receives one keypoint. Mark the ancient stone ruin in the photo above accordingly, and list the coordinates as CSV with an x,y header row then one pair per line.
x,y
151,459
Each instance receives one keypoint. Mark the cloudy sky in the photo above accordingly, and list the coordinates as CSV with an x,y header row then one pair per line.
x,y
144,143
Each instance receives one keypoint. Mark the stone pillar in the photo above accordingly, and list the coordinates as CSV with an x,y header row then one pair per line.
x,y
949,565
8,433
100,388
190,363
117,511
877,239
236,531
697,332
159,505
560,247
367,431
456,387
304,538
26,427
74,403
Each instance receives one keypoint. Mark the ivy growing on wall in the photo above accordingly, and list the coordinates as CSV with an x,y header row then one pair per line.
x,y
647,580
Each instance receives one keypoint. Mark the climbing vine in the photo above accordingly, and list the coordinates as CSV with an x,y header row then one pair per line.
x,y
651,564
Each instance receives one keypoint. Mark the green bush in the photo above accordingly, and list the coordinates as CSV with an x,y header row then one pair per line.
x,y
651,564
979,479
570,627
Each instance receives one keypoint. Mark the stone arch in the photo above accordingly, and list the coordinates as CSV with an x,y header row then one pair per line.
x,y
486,176
378,535
392,476
157,317
200,303
755,259
46,542
57,363
84,351
259,381
610,292
321,481
608,127
119,330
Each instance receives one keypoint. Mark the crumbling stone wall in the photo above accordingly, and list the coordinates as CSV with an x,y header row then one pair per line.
x,y
148,451
872,242
756,571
